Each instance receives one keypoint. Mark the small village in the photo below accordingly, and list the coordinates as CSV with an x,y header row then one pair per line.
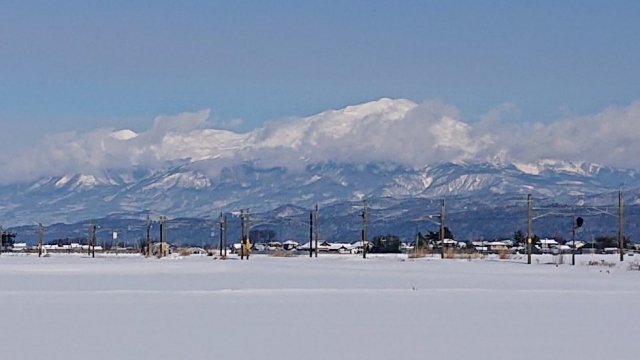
x,y
379,245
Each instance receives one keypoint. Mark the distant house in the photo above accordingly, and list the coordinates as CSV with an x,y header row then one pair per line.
x,y
498,246
450,243
19,247
611,250
194,251
545,245
290,245
357,246
323,245
273,245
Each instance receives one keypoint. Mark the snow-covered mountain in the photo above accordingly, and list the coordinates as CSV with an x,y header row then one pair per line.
x,y
392,149
188,190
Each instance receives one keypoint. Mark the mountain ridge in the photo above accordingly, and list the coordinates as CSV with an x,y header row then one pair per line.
x,y
188,190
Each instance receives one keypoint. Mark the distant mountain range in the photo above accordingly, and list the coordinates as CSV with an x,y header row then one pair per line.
x,y
187,191
333,159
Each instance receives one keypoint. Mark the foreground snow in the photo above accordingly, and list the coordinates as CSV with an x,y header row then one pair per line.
x,y
333,307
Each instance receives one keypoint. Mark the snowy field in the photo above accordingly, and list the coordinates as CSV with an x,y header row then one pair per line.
x,y
333,307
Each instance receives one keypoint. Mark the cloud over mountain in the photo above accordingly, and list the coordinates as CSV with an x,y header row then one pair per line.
x,y
385,130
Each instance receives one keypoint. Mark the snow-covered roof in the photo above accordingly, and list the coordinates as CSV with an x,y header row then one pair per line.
x,y
498,243
358,244
548,241
336,246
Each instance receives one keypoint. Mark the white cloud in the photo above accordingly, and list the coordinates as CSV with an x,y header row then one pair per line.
x,y
385,130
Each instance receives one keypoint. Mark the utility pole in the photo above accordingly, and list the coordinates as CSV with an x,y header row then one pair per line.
x,y
365,218
162,219
93,241
621,225
529,228
40,235
442,229
247,246
576,223
310,233
316,228
89,234
241,234
573,241
147,248
221,223
224,245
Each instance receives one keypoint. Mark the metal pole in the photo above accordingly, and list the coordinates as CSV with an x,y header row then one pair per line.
x,y
221,230
442,229
161,236
310,233
621,225
89,234
573,240
248,235
241,234
148,240
316,229
224,245
529,228
365,217
93,241
40,235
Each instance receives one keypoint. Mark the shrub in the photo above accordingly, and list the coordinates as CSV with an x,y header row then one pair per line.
x,y
418,252
282,253
601,263
450,253
504,254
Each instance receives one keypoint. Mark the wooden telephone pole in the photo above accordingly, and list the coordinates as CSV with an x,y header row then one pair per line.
x,y
529,228
310,233
40,236
621,225
442,229
241,234
247,242
224,239
221,225
162,236
245,229
316,228
365,218
147,248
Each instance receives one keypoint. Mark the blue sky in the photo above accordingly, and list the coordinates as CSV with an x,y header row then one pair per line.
x,y
80,65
